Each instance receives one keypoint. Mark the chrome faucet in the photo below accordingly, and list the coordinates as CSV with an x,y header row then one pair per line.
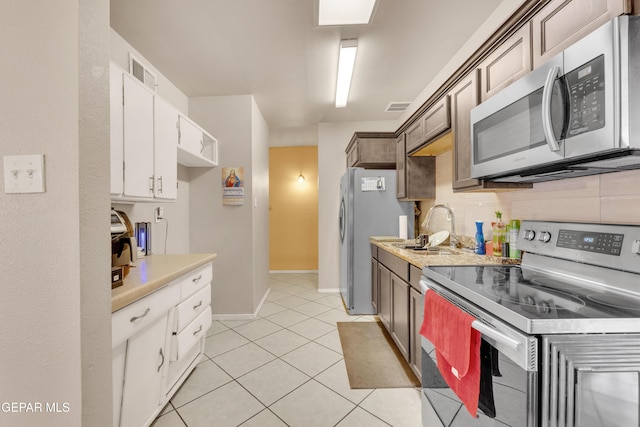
x,y
453,238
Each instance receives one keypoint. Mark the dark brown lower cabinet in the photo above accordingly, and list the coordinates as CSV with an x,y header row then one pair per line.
x,y
400,304
400,314
384,300
415,318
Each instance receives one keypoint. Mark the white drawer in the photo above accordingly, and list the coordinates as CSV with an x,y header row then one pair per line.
x,y
191,335
135,317
192,307
191,282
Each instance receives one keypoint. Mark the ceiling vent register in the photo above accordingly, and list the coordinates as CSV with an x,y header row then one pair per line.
x,y
397,107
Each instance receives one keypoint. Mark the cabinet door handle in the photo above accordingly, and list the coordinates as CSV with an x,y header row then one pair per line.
x,y
195,307
134,318
151,184
197,279
197,331
160,185
162,362
201,146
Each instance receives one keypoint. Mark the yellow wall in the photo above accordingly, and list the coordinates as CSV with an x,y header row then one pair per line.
x,y
293,208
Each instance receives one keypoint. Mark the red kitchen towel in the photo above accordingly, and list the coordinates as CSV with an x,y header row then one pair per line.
x,y
457,347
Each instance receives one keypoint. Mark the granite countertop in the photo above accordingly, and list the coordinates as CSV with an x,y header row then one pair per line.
x,y
151,273
421,259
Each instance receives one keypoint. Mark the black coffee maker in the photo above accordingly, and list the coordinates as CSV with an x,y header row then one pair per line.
x,y
123,247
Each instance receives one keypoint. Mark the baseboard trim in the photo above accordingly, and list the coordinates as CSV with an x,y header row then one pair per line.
x,y
329,290
293,271
243,316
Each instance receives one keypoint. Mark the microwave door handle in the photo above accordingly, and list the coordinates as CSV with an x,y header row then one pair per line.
x,y
554,73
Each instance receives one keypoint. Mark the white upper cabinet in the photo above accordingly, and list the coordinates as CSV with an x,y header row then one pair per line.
x,y
117,131
138,139
149,138
196,148
165,157
190,137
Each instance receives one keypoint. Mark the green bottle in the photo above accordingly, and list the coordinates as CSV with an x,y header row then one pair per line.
x,y
514,230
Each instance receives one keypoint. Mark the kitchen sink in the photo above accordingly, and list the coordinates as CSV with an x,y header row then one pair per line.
x,y
437,250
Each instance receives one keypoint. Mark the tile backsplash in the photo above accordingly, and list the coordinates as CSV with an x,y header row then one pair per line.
x,y
608,198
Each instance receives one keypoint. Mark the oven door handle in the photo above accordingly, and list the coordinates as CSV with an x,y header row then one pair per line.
x,y
495,335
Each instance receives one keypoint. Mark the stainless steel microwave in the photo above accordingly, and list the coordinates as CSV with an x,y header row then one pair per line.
x,y
577,114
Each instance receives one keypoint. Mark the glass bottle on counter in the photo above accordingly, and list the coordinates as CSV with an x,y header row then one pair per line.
x,y
480,249
514,230
499,233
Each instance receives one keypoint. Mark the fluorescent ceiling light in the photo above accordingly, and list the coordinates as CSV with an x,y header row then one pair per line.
x,y
346,61
345,12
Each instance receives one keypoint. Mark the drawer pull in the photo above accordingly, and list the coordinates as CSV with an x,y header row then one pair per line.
x,y
162,362
134,318
195,307
197,279
197,331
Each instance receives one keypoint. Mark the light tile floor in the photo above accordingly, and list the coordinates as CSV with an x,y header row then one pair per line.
x,y
285,368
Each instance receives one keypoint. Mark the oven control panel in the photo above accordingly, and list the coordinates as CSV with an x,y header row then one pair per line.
x,y
608,245
604,243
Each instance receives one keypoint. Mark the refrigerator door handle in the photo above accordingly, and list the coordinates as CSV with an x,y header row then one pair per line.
x,y
341,220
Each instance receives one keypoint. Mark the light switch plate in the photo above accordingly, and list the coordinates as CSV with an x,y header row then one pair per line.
x,y
24,173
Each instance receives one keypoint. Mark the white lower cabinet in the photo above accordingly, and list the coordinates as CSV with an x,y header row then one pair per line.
x,y
146,358
187,347
118,361
192,321
156,343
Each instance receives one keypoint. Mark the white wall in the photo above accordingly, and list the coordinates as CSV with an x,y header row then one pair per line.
x,y
171,235
260,192
55,295
333,138
239,235
229,230
294,136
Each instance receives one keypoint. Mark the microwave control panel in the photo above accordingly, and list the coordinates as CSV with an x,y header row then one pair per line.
x,y
587,97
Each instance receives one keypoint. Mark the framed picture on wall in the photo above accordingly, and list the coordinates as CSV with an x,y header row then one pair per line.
x,y
233,186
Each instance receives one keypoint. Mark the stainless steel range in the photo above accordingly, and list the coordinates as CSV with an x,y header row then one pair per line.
x,y
564,330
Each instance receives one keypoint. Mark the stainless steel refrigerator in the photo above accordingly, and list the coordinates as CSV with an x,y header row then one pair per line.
x,y
368,207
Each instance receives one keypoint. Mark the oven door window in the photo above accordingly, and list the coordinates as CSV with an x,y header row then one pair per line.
x,y
512,392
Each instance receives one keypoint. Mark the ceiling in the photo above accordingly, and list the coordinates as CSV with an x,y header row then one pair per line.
x,y
272,50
